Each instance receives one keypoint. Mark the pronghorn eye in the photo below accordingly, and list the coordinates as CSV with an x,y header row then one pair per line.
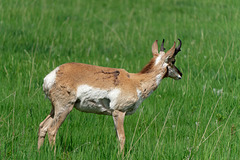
x,y
173,62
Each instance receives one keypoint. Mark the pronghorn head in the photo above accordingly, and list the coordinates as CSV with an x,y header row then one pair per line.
x,y
167,60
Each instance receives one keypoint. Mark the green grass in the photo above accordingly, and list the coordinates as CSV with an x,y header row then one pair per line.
x,y
194,118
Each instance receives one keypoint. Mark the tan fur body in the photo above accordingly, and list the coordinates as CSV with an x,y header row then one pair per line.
x,y
103,90
71,75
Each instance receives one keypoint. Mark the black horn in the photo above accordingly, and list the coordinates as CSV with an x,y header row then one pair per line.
x,y
162,46
178,49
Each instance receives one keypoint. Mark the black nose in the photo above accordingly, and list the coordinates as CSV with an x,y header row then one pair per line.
x,y
180,74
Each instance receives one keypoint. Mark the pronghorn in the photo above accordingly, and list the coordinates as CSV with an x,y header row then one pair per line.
x,y
102,90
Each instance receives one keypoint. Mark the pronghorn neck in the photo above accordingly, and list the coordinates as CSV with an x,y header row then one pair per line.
x,y
155,65
151,75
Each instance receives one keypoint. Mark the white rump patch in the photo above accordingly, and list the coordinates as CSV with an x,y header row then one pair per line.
x,y
49,80
96,100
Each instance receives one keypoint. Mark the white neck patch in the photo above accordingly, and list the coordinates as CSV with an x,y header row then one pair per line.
x,y
158,59
158,79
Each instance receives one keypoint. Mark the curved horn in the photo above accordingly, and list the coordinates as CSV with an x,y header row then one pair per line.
x,y
170,52
178,49
162,46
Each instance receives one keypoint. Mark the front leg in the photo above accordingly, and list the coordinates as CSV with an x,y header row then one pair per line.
x,y
118,118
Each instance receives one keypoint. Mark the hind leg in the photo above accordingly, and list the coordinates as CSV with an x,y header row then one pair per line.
x,y
59,117
43,128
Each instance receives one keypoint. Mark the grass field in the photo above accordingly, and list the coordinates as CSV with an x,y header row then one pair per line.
x,y
197,117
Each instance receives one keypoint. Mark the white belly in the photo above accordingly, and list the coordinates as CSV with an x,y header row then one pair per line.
x,y
95,100
91,106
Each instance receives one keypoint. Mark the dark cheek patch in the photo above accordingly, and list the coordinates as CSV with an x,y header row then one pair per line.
x,y
180,73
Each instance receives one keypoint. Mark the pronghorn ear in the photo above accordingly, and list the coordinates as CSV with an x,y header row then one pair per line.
x,y
155,48
170,53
